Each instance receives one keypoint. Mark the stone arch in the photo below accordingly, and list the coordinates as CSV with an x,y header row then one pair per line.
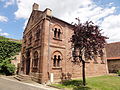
x,y
58,26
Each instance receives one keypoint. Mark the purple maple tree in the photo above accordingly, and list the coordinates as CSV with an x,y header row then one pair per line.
x,y
87,42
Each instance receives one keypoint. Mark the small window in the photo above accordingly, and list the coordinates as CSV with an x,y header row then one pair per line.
x,y
57,34
56,61
37,35
35,62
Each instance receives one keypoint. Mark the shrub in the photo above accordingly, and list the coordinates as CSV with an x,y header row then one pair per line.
x,y
6,67
118,72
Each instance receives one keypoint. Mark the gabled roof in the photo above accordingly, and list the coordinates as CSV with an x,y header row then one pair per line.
x,y
113,50
42,12
30,18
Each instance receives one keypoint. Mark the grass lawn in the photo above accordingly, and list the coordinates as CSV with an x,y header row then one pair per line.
x,y
95,83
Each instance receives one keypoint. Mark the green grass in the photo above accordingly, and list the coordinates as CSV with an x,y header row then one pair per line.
x,y
94,83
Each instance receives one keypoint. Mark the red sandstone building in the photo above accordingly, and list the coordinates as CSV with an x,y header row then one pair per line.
x,y
46,51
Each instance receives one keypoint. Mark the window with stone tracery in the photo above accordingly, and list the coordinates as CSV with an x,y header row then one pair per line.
x,y
57,59
57,31
35,62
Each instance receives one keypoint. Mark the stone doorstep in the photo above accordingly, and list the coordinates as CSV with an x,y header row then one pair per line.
x,y
22,77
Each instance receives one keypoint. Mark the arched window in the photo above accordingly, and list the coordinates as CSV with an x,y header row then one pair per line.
x,y
57,32
37,33
35,62
57,57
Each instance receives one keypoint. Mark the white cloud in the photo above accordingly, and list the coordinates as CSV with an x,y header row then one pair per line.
x,y
59,7
111,25
3,19
68,10
8,3
24,8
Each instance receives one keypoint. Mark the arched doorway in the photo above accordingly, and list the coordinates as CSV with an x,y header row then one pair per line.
x,y
27,62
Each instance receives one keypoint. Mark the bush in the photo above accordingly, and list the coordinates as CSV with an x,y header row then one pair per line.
x,y
118,72
6,67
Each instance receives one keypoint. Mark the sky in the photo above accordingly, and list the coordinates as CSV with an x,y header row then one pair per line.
x,y
14,15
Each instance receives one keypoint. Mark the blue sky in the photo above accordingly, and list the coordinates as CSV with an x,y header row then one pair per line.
x,y
106,13
13,26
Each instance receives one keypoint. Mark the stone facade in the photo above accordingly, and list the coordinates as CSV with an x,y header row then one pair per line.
x,y
46,50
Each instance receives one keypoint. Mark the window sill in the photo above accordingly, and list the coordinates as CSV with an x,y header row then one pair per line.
x,y
56,67
57,39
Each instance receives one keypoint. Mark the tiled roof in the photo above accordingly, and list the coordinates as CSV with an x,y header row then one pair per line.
x,y
113,50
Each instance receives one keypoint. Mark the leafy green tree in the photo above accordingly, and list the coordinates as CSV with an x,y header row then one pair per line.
x,y
7,50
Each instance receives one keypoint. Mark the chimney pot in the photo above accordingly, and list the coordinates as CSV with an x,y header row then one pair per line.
x,y
35,6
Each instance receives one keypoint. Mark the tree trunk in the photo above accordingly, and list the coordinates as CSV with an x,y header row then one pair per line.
x,y
83,72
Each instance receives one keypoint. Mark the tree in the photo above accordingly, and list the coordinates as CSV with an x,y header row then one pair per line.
x,y
7,50
87,42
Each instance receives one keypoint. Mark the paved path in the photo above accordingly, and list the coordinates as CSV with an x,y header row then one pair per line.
x,y
8,84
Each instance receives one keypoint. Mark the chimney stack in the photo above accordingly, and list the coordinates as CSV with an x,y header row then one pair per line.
x,y
35,6
48,12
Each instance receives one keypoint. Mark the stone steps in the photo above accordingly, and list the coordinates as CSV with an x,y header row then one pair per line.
x,y
21,77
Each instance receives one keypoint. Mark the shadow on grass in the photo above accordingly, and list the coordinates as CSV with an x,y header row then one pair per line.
x,y
75,84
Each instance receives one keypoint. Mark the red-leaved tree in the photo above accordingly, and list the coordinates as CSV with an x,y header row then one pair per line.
x,y
87,42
